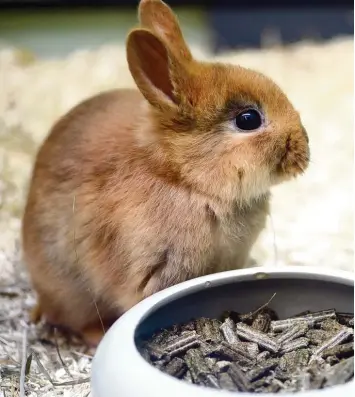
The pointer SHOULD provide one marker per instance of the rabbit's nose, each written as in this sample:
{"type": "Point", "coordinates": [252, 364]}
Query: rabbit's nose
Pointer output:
{"type": "Point", "coordinates": [305, 134]}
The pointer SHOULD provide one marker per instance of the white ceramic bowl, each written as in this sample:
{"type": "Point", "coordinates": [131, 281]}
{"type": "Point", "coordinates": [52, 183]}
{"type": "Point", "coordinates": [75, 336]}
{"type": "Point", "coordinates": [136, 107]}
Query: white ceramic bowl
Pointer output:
{"type": "Point", "coordinates": [120, 371]}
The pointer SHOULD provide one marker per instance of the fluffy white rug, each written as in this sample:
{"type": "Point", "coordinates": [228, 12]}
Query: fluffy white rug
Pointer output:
{"type": "Point", "coordinates": [312, 217]}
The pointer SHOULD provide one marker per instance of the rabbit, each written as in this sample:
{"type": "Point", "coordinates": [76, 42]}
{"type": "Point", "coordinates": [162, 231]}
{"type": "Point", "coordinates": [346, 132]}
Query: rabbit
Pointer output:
{"type": "Point", "coordinates": [135, 190]}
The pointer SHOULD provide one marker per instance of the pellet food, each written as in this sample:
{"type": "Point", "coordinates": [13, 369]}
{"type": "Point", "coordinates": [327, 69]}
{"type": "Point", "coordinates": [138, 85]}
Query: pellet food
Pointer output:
{"type": "Point", "coordinates": [258, 352]}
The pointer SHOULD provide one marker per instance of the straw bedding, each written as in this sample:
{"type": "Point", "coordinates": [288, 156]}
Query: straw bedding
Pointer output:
{"type": "Point", "coordinates": [312, 217]}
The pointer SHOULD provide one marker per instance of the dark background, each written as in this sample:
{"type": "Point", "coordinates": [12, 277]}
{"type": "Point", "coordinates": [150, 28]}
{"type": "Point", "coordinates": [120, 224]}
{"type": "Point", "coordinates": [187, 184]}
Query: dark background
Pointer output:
{"type": "Point", "coordinates": [236, 24]}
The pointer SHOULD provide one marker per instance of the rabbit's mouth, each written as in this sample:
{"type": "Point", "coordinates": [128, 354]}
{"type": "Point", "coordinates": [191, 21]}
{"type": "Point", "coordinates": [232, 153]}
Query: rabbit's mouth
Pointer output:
{"type": "Point", "coordinates": [295, 158]}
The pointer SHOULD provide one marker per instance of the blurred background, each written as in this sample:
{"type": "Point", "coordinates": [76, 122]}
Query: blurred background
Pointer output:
{"type": "Point", "coordinates": [53, 28]}
{"type": "Point", "coordinates": [54, 54]}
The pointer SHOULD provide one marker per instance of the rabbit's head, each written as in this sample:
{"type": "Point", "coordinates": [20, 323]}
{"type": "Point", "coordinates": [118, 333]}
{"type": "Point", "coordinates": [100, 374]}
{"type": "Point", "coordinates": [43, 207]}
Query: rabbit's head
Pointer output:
{"type": "Point", "coordinates": [221, 129]}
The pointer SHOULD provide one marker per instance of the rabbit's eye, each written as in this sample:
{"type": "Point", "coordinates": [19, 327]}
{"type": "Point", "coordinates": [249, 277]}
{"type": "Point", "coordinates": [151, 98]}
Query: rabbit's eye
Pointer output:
{"type": "Point", "coordinates": [248, 120]}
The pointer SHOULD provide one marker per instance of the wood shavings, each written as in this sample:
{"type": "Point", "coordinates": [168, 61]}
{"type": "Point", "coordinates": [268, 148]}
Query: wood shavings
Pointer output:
{"type": "Point", "coordinates": [313, 232]}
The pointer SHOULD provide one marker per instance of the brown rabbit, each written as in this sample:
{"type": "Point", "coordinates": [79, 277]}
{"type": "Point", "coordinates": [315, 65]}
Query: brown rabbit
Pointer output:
{"type": "Point", "coordinates": [134, 191]}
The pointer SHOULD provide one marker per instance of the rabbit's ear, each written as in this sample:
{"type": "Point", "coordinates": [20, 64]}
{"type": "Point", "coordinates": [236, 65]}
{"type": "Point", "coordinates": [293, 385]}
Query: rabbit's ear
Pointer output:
{"type": "Point", "coordinates": [160, 19]}
{"type": "Point", "coordinates": [154, 69]}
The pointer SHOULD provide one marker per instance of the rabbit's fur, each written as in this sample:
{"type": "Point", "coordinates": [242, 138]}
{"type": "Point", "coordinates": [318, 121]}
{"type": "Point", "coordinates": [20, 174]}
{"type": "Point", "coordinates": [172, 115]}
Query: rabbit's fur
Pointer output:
{"type": "Point", "coordinates": [134, 191]}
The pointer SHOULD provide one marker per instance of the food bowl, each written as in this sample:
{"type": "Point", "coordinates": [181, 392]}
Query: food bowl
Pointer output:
{"type": "Point", "coordinates": [120, 370]}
